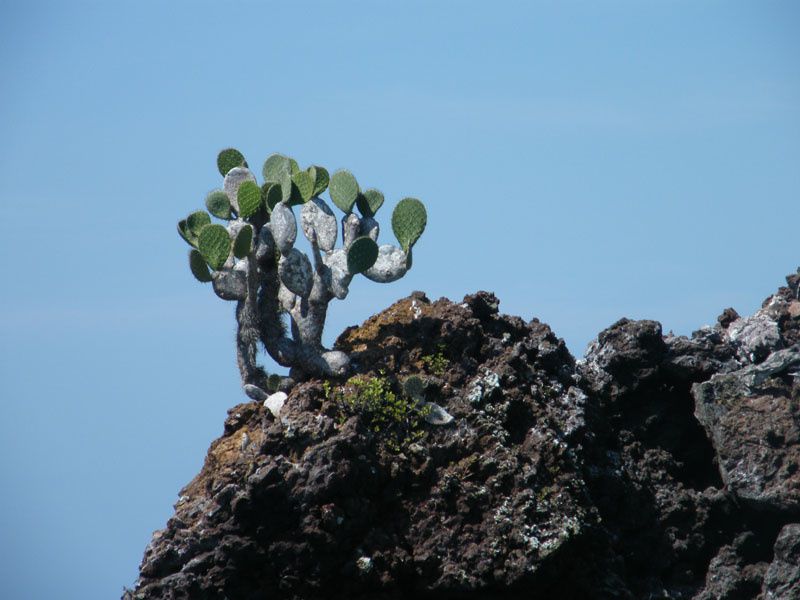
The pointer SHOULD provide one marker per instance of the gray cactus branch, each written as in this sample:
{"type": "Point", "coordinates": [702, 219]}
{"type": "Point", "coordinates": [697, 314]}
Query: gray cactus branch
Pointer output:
{"type": "Point", "coordinates": [252, 259]}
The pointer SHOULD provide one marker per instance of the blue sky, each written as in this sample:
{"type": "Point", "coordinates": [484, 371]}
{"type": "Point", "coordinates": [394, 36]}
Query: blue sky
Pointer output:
{"type": "Point", "coordinates": [583, 160]}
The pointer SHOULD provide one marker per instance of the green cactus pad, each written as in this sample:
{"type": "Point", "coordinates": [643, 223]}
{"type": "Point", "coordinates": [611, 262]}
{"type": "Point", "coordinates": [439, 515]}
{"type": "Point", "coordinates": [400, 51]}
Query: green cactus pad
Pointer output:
{"type": "Point", "coordinates": [198, 266]}
{"type": "Point", "coordinates": [293, 166]}
{"type": "Point", "coordinates": [243, 243]}
{"type": "Point", "coordinates": [218, 204]}
{"type": "Point", "coordinates": [249, 198]}
{"type": "Point", "coordinates": [361, 255]}
{"type": "Point", "coordinates": [414, 388]}
{"type": "Point", "coordinates": [278, 169]}
{"type": "Point", "coordinates": [271, 194]}
{"type": "Point", "coordinates": [183, 231]}
{"type": "Point", "coordinates": [196, 221]}
{"type": "Point", "coordinates": [229, 159]}
{"type": "Point", "coordinates": [215, 245]}
{"type": "Point", "coordinates": [369, 202]}
{"type": "Point", "coordinates": [274, 166]}
{"type": "Point", "coordinates": [302, 187]}
{"type": "Point", "coordinates": [321, 179]}
{"type": "Point", "coordinates": [408, 221]}
{"type": "Point", "coordinates": [344, 190]}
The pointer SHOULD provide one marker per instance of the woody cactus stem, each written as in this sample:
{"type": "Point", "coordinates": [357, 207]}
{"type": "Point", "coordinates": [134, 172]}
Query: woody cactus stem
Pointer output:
{"type": "Point", "coordinates": [252, 259]}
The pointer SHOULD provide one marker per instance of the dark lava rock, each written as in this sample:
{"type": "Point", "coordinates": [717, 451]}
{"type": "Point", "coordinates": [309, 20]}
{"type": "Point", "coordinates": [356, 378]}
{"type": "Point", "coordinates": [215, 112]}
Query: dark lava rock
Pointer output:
{"type": "Point", "coordinates": [657, 467]}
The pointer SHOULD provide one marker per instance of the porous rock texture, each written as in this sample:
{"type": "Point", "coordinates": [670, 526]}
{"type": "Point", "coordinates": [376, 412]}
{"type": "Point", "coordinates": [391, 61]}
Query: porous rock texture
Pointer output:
{"type": "Point", "coordinates": [659, 466]}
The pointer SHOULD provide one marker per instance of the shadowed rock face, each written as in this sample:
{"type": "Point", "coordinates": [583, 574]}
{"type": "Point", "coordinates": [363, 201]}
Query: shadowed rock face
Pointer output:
{"type": "Point", "coordinates": [658, 466]}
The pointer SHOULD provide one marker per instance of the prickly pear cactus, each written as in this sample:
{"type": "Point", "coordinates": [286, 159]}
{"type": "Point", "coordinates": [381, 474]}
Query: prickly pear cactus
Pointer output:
{"type": "Point", "coordinates": [251, 258]}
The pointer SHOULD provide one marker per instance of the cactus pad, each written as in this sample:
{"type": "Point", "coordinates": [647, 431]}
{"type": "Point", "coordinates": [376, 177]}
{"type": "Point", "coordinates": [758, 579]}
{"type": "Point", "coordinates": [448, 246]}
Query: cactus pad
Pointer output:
{"type": "Point", "coordinates": [274, 166]}
{"type": "Point", "coordinates": [408, 221]}
{"type": "Point", "coordinates": [361, 255]}
{"type": "Point", "coordinates": [278, 169]}
{"type": "Point", "coordinates": [283, 226]}
{"type": "Point", "coordinates": [198, 266]}
{"type": "Point", "coordinates": [183, 231]}
{"type": "Point", "coordinates": [321, 179]}
{"type": "Point", "coordinates": [229, 159]}
{"type": "Point", "coordinates": [196, 221]}
{"type": "Point", "coordinates": [218, 204]}
{"type": "Point", "coordinates": [296, 274]}
{"type": "Point", "coordinates": [344, 190]}
{"type": "Point", "coordinates": [232, 181]}
{"type": "Point", "coordinates": [414, 388]}
{"type": "Point", "coordinates": [243, 243]}
{"type": "Point", "coordinates": [271, 194]}
{"type": "Point", "coordinates": [391, 265]}
{"type": "Point", "coordinates": [319, 224]}
{"type": "Point", "coordinates": [215, 245]}
{"type": "Point", "coordinates": [369, 202]}
{"type": "Point", "coordinates": [248, 198]}
{"type": "Point", "coordinates": [302, 187]}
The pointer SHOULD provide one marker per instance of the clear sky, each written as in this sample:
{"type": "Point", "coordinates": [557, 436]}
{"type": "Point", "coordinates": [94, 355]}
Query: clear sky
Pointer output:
{"type": "Point", "coordinates": [583, 160]}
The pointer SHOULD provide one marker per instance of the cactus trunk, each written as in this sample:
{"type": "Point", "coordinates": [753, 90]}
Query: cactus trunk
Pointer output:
{"type": "Point", "coordinates": [253, 259]}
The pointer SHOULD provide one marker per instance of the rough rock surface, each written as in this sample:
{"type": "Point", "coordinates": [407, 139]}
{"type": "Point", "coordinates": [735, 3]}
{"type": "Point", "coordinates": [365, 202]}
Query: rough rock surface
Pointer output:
{"type": "Point", "coordinates": [656, 467]}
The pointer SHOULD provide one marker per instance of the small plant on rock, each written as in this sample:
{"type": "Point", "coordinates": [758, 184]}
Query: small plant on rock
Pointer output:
{"type": "Point", "coordinates": [250, 257]}
{"type": "Point", "coordinates": [396, 418]}
{"type": "Point", "coordinates": [436, 363]}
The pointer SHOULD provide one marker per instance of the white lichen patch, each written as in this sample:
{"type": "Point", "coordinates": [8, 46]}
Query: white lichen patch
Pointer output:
{"type": "Point", "coordinates": [364, 564]}
{"type": "Point", "coordinates": [483, 387]}
{"type": "Point", "coordinates": [416, 310]}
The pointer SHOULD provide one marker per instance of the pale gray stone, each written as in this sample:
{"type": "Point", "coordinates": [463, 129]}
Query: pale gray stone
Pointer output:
{"type": "Point", "coordinates": [754, 337]}
{"type": "Point", "coordinates": [336, 361]}
{"type": "Point", "coordinates": [437, 415]}
{"type": "Point", "coordinates": [274, 402]}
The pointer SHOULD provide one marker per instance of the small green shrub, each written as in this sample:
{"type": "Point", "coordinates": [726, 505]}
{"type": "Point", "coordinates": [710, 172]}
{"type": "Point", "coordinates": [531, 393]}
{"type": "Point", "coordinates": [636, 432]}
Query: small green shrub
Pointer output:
{"type": "Point", "coordinates": [396, 418]}
{"type": "Point", "coordinates": [436, 363]}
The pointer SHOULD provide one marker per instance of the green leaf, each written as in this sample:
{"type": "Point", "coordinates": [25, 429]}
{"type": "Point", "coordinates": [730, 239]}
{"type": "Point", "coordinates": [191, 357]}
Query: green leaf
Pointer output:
{"type": "Point", "coordinates": [361, 255]}
{"type": "Point", "coordinates": [243, 243]}
{"type": "Point", "coordinates": [218, 204]}
{"type": "Point", "coordinates": [229, 159]}
{"type": "Point", "coordinates": [408, 222]}
{"type": "Point", "coordinates": [196, 221]}
{"type": "Point", "coordinates": [249, 198]}
{"type": "Point", "coordinates": [369, 202]}
{"type": "Point", "coordinates": [198, 266]}
{"type": "Point", "coordinates": [214, 244]}
{"type": "Point", "coordinates": [344, 190]}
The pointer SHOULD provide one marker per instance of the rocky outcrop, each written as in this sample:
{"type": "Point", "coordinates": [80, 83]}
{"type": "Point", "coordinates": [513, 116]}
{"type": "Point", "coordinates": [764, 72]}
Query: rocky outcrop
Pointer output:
{"type": "Point", "coordinates": [656, 467]}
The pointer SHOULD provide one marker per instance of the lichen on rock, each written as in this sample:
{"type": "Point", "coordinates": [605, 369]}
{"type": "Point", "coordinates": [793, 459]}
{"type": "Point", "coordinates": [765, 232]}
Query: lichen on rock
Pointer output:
{"type": "Point", "coordinates": [658, 466]}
